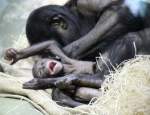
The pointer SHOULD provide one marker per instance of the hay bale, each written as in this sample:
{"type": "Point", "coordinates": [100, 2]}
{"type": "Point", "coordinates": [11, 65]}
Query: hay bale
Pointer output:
{"type": "Point", "coordinates": [125, 92]}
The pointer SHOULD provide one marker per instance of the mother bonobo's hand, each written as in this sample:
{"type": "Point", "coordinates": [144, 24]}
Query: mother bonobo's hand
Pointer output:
{"type": "Point", "coordinates": [12, 55]}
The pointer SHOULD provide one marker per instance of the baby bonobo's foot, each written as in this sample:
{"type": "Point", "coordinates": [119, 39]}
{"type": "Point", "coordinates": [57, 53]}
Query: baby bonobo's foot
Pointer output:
{"type": "Point", "coordinates": [11, 54]}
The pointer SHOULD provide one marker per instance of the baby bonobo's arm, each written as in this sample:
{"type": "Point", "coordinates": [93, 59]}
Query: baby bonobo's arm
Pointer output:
{"type": "Point", "coordinates": [14, 55]}
{"type": "Point", "coordinates": [52, 47]}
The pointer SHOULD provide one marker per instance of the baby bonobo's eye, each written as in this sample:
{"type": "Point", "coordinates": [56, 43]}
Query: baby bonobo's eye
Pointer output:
{"type": "Point", "coordinates": [58, 20]}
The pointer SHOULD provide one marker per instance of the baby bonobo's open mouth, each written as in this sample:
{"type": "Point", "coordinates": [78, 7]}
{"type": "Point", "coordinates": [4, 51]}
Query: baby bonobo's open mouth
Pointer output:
{"type": "Point", "coordinates": [54, 67]}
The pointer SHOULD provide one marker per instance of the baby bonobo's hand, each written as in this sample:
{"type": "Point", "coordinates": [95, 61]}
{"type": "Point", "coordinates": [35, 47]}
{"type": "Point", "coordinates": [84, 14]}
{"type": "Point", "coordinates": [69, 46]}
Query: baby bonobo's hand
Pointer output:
{"type": "Point", "coordinates": [66, 82]}
{"type": "Point", "coordinates": [38, 83]}
{"type": "Point", "coordinates": [12, 55]}
{"type": "Point", "coordinates": [32, 84]}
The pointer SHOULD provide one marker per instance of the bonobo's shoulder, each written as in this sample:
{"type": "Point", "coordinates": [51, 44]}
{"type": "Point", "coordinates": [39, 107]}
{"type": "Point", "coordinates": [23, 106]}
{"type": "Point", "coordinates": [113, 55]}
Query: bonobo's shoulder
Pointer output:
{"type": "Point", "coordinates": [52, 8]}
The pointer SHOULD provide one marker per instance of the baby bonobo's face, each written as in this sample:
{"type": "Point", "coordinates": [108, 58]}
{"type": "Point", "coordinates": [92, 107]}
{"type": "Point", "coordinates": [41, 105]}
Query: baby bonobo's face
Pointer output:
{"type": "Point", "coordinates": [47, 68]}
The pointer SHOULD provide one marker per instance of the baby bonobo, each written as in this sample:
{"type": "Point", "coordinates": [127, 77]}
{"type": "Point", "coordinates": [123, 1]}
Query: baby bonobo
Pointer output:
{"type": "Point", "coordinates": [52, 68]}
{"type": "Point", "coordinates": [70, 66]}
{"type": "Point", "coordinates": [47, 74]}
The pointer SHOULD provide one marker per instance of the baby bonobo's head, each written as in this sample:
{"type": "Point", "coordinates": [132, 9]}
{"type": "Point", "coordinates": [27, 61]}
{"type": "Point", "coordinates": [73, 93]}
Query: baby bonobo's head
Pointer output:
{"type": "Point", "coordinates": [47, 68]}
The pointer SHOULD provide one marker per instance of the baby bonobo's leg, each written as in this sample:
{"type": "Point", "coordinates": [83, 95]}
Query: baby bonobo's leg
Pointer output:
{"type": "Point", "coordinates": [81, 96]}
{"type": "Point", "coordinates": [63, 99]}
{"type": "Point", "coordinates": [85, 94]}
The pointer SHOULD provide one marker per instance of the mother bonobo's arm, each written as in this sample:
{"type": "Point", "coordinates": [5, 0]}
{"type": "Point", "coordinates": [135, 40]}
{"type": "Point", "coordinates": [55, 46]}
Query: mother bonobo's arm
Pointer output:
{"type": "Point", "coordinates": [121, 22]}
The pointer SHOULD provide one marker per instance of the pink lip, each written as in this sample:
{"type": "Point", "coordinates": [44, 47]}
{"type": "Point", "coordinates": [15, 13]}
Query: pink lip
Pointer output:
{"type": "Point", "coordinates": [52, 65]}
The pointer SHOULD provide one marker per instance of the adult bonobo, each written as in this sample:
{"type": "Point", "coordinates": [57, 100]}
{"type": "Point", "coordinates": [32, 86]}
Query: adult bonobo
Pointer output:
{"type": "Point", "coordinates": [49, 72]}
{"type": "Point", "coordinates": [58, 26]}
{"type": "Point", "coordinates": [51, 68]}
{"type": "Point", "coordinates": [115, 20]}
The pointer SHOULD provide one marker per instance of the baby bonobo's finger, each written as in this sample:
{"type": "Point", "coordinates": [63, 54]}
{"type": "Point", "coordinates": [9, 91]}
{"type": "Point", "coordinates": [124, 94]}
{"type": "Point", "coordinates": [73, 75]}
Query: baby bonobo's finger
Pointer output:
{"type": "Point", "coordinates": [13, 61]}
{"type": "Point", "coordinates": [63, 99]}
{"type": "Point", "coordinates": [11, 55]}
